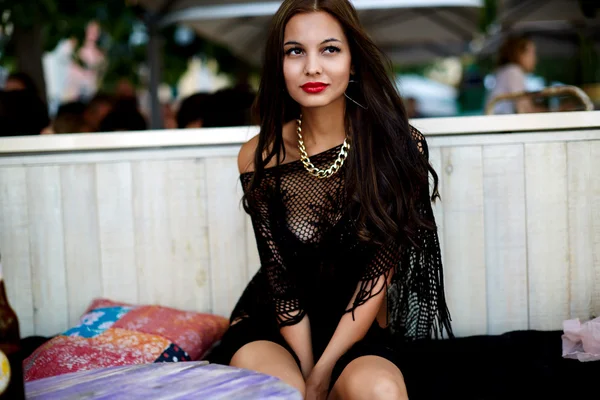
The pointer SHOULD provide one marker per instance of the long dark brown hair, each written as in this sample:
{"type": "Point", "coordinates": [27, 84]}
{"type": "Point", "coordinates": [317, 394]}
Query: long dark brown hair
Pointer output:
{"type": "Point", "coordinates": [386, 175]}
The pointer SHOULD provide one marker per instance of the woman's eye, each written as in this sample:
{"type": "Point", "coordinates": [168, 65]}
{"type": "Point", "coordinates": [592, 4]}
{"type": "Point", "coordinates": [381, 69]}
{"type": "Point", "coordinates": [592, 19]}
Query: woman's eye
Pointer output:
{"type": "Point", "coordinates": [331, 49]}
{"type": "Point", "coordinates": [295, 51]}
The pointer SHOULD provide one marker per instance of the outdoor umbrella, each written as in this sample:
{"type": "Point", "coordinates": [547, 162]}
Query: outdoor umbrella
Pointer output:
{"type": "Point", "coordinates": [556, 26]}
{"type": "Point", "coordinates": [409, 31]}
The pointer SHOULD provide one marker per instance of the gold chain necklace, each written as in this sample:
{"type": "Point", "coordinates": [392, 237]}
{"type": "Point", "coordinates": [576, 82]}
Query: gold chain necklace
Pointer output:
{"type": "Point", "coordinates": [309, 166]}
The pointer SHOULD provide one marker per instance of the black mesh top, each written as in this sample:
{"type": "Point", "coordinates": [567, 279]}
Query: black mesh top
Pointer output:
{"type": "Point", "coordinates": [312, 261]}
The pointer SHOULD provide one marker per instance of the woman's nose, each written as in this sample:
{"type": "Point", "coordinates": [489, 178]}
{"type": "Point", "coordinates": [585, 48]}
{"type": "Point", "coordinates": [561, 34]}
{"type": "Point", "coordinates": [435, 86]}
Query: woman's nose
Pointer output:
{"type": "Point", "coordinates": [313, 66]}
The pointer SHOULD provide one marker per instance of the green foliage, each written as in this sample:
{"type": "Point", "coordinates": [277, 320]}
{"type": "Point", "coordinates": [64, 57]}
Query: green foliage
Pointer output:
{"type": "Point", "coordinates": [590, 61]}
{"type": "Point", "coordinates": [417, 69]}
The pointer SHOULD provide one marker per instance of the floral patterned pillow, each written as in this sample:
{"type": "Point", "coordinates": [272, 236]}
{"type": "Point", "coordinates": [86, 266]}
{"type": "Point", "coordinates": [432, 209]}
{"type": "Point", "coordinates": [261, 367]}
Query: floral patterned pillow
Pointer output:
{"type": "Point", "coordinates": [111, 334]}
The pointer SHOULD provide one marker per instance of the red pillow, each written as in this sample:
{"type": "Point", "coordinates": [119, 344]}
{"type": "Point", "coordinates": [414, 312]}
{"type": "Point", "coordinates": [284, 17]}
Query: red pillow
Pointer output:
{"type": "Point", "coordinates": [112, 334]}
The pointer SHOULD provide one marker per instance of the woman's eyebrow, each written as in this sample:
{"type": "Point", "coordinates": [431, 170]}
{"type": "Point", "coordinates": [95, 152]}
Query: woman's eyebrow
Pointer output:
{"type": "Point", "coordinates": [293, 42]}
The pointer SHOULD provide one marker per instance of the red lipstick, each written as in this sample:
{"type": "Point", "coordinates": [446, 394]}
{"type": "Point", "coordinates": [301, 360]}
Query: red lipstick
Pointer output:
{"type": "Point", "coordinates": [314, 87]}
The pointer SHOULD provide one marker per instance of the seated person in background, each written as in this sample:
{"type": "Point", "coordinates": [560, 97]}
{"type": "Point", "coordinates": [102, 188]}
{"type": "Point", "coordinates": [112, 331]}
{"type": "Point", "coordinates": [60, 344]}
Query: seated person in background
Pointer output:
{"type": "Point", "coordinates": [124, 116]}
{"type": "Point", "coordinates": [20, 81]}
{"type": "Point", "coordinates": [168, 116]}
{"type": "Point", "coordinates": [412, 108]}
{"type": "Point", "coordinates": [97, 109]}
{"type": "Point", "coordinates": [22, 113]}
{"type": "Point", "coordinates": [69, 118]}
{"type": "Point", "coordinates": [516, 58]}
{"type": "Point", "coordinates": [192, 111]}
{"type": "Point", "coordinates": [229, 107]}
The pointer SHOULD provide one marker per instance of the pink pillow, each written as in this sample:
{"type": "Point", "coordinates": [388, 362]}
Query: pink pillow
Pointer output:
{"type": "Point", "coordinates": [112, 334]}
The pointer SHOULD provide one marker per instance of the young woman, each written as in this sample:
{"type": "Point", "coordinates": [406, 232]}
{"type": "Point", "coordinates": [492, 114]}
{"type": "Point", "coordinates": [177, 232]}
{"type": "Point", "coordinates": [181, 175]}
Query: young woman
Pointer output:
{"type": "Point", "coordinates": [337, 187]}
{"type": "Point", "coordinates": [516, 58]}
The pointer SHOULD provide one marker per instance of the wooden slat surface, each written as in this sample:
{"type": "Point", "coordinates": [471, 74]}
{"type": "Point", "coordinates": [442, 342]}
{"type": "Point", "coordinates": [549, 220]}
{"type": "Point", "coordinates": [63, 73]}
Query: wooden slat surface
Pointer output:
{"type": "Point", "coordinates": [227, 234]}
{"type": "Point", "coordinates": [117, 236]}
{"type": "Point", "coordinates": [14, 245]}
{"type": "Point", "coordinates": [519, 226]}
{"type": "Point", "coordinates": [465, 270]}
{"type": "Point", "coordinates": [505, 238]}
{"type": "Point", "coordinates": [581, 225]}
{"type": "Point", "coordinates": [81, 236]}
{"type": "Point", "coordinates": [547, 235]}
{"type": "Point", "coordinates": [189, 258]}
{"type": "Point", "coordinates": [594, 204]}
{"type": "Point", "coordinates": [47, 250]}
{"type": "Point", "coordinates": [151, 223]}
{"type": "Point", "coordinates": [435, 159]}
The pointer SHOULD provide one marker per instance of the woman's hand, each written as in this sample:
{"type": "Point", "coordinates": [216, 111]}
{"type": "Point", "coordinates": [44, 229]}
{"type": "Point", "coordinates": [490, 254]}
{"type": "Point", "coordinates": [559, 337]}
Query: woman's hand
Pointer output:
{"type": "Point", "coordinates": [317, 384]}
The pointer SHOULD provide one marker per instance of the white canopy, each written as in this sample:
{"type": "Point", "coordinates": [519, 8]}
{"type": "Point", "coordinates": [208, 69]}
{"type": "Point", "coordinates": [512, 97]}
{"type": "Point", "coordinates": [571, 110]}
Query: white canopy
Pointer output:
{"type": "Point", "coordinates": [409, 31]}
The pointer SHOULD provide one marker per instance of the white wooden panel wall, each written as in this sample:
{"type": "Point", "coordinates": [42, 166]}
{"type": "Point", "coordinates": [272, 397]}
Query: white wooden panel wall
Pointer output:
{"type": "Point", "coordinates": [47, 250]}
{"type": "Point", "coordinates": [519, 226]}
{"type": "Point", "coordinates": [547, 234]}
{"type": "Point", "coordinates": [464, 247]}
{"type": "Point", "coordinates": [14, 245]}
{"type": "Point", "coordinates": [583, 162]}
{"type": "Point", "coordinates": [114, 188]}
{"type": "Point", "coordinates": [505, 237]}
{"type": "Point", "coordinates": [227, 234]}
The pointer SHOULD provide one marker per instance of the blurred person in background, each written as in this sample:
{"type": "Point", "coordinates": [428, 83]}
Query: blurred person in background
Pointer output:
{"type": "Point", "coordinates": [516, 58]}
{"type": "Point", "coordinates": [69, 118]}
{"type": "Point", "coordinates": [229, 107]}
{"type": "Point", "coordinates": [124, 116]}
{"type": "Point", "coordinates": [96, 110]}
{"type": "Point", "coordinates": [125, 88]}
{"type": "Point", "coordinates": [192, 111]}
{"type": "Point", "coordinates": [168, 116]}
{"type": "Point", "coordinates": [20, 81]}
{"type": "Point", "coordinates": [412, 108]}
{"type": "Point", "coordinates": [22, 113]}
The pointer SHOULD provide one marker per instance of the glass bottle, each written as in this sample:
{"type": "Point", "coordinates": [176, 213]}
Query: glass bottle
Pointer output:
{"type": "Point", "coordinates": [11, 369]}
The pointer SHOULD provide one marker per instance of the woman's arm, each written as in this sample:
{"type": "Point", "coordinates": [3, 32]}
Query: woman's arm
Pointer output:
{"type": "Point", "coordinates": [354, 325]}
{"type": "Point", "coordinates": [293, 321]}
{"type": "Point", "coordinates": [299, 338]}
{"type": "Point", "coordinates": [526, 105]}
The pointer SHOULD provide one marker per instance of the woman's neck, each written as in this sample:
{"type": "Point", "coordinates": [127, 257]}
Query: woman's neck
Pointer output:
{"type": "Point", "coordinates": [323, 127]}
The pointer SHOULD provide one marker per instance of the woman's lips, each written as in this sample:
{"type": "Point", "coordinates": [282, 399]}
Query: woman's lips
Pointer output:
{"type": "Point", "coordinates": [314, 87]}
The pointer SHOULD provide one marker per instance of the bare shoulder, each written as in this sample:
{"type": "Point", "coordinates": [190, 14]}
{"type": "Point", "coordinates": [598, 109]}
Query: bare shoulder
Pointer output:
{"type": "Point", "coordinates": [248, 150]}
{"type": "Point", "coordinates": [246, 155]}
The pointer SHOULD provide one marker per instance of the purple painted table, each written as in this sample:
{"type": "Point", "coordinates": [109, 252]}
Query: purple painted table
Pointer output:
{"type": "Point", "coordinates": [183, 380]}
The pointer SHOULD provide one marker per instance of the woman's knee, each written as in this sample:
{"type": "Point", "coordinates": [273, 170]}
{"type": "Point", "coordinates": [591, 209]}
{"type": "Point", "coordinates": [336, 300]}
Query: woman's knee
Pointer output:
{"type": "Point", "coordinates": [370, 378]}
{"type": "Point", "coordinates": [271, 359]}
{"type": "Point", "coordinates": [387, 387]}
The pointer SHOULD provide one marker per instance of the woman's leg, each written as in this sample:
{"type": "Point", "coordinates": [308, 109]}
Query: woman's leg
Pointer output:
{"type": "Point", "coordinates": [271, 359]}
{"type": "Point", "coordinates": [370, 378]}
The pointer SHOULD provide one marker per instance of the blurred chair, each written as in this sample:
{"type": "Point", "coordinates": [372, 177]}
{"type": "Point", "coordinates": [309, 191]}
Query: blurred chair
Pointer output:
{"type": "Point", "coordinates": [572, 91]}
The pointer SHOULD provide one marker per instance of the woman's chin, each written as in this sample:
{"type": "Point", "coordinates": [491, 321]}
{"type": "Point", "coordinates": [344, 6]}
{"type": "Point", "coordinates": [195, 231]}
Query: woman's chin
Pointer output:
{"type": "Point", "coordinates": [316, 101]}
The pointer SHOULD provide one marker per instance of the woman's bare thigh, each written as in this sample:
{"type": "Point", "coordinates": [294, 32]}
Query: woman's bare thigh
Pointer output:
{"type": "Point", "coordinates": [271, 359]}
